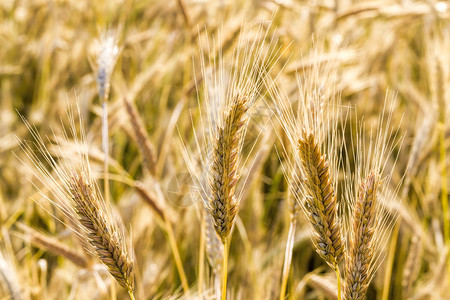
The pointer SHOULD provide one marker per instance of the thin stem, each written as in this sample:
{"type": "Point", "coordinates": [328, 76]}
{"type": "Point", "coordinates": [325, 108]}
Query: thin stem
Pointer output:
{"type": "Point", "coordinates": [390, 261]}
{"type": "Point", "coordinates": [176, 254]}
{"type": "Point", "coordinates": [287, 257]}
{"type": "Point", "coordinates": [131, 295]}
{"type": "Point", "coordinates": [444, 192]}
{"type": "Point", "coordinates": [217, 285]}
{"type": "Point", "coordinates": [113, 292]}
{"type": "Point", "coordinates": [224, 270]}
{"type": "Point", "coordinates": [201, 257]}
{"type": "Point", "coordinates": [105, 146]}
{"type": "Point", "coordinates": [338, 276]}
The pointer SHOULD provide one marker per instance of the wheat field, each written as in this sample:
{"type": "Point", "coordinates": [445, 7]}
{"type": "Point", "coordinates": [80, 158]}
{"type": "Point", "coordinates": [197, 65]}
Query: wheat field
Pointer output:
{"type": "Point", "coordinates": [190, 149]}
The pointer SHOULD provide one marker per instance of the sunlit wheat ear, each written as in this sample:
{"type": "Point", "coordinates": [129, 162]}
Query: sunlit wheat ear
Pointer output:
{"type": "Point", "coordinates": [101, 233]}
{"type": "Point", "coordinates": [75, 194]}
{"type": "Point", "coordinates": [320, 201]}
{"type": "Point", "coordinates": [367, 189]}
{"type": "Point", "coordinates": [232, 83]}
{"type": "Point", "coordinates": [223, 203]}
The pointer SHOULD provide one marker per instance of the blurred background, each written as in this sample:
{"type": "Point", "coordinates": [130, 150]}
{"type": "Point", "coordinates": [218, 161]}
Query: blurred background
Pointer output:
{"type": "Point", "coordinates": [48, 61]}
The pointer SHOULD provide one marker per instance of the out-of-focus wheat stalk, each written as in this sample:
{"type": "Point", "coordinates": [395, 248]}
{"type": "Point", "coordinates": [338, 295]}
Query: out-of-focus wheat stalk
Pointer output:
{"type": "Point", "coordinates": [294, 208]}
{"type": "Point", "coordinates": [106, 59]}
{"type": "Point", "coordinates": [147, 151]}
{"type": "Point", "coordinates": [76, 195]}
{"type": "Point", "coordinates": [53, 245]}
{"type": "Point", "coordinates": [10, 279]}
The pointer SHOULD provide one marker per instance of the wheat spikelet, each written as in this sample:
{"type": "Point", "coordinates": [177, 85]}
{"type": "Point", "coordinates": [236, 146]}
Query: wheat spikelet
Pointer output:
{"type": "Point", "coordinates": [361, 248]}
{"type": "Point", "coordinates": [320, 202]}
{"type": "Point", "coordinates": [223, 204]}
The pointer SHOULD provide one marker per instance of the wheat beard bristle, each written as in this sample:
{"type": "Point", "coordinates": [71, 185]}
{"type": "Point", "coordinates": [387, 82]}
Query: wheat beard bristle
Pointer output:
{"type": "Point", "coordinates": [361, 244]}
{"type": "Point", "coordinates": [320, 202]}
{"type": "Point", "coordinates": [223, 204]}
{"type": "Point", "coordinates": [102, 237]}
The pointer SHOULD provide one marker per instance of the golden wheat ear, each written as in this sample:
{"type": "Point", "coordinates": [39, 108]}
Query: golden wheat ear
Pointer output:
{"type": "Point", "coordinates": [361, 248]}
{"type": "Point", "coordinates": [223, 204]}
{"type": "Point", "coordinates": [76, 195]}
{"type": "Point", "coordinates": [367, 191]}
{"type": "Point", "coordinates": [101, 234]}
{"type": "Point", "coordinates": [320, 201]}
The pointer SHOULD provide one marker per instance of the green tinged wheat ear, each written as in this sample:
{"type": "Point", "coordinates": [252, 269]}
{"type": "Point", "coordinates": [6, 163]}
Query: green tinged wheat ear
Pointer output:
{"type": "Point", "coordinates": [223, 203]}
{"type": "Point", "coordinates": [102, 237]}
{"type": "Point", "coordinates": [320, 201]}
{"type": "Point", "coordinates": [361, 248]}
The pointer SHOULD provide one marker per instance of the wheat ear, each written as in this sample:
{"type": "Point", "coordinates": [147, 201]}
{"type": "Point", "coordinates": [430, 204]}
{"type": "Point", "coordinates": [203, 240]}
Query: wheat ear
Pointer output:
{"type": "Point", "coordinates": [361, 248]}
{"type": "Point", "coordinates": [320, 203]}
{"type": "Point", "coordinates": [77, 197]}
{"type": "Point", "coordinates": [102, 236]}
{"type": "Point", "coordinates": [223, 203]}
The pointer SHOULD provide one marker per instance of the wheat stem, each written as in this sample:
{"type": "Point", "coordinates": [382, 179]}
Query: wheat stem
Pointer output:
{"type": "Point", "coordinates": [444, 192]}
{"type": "Point", "coordinates": [224, 270]}
{"type": "Point", "coordinates": [176, 254]}
{"type": "Point", "coordinates": [105, 143]}
{"type": "Point", "coordinates": [201, 256]}
{"type": "Point", "coordinates": [390, 262]}
{"type": "Point", "coordinates": [288, 257]}
{"type": "Point", "coordinates": [339, 284]}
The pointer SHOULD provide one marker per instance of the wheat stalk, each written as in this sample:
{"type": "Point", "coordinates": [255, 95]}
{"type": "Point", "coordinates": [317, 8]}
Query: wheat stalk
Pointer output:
{"type": "Point", "coordinates": [412, 267]}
